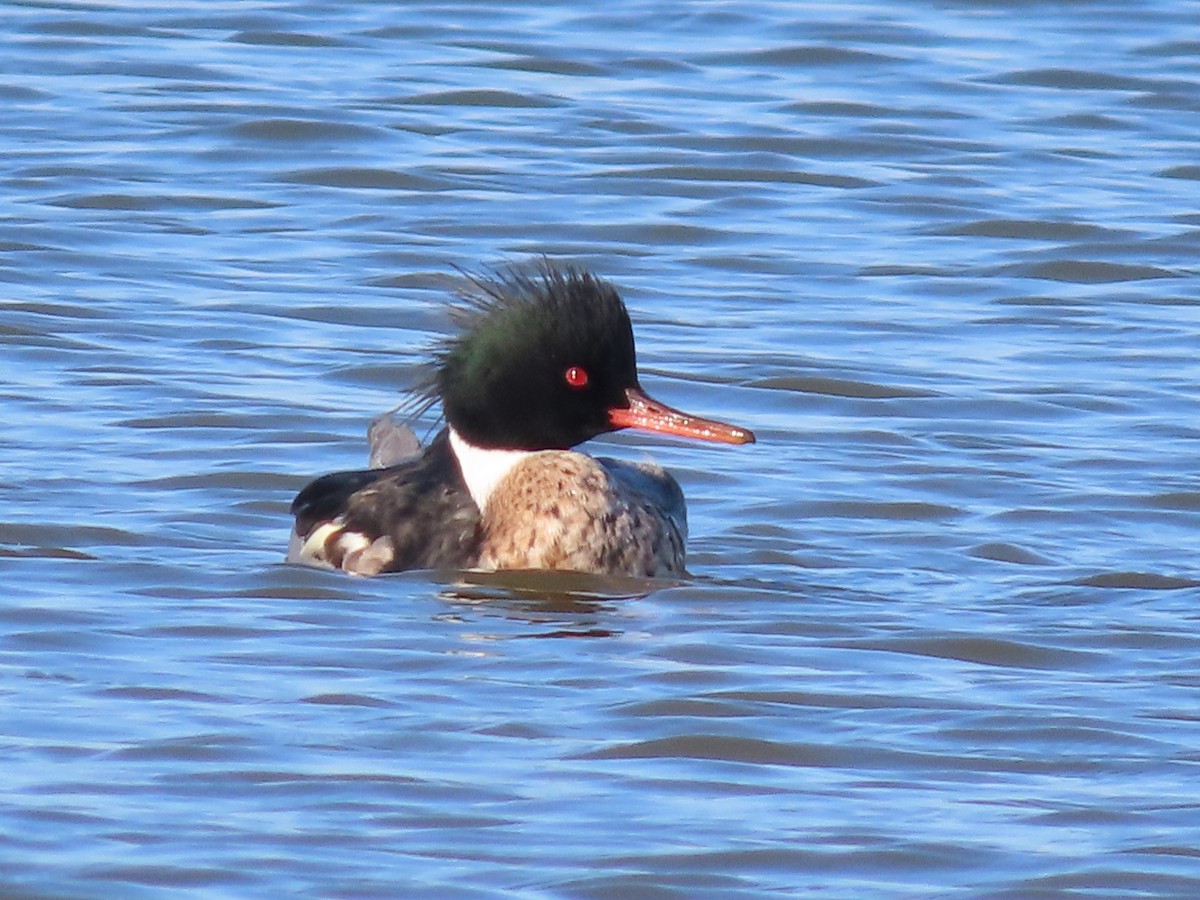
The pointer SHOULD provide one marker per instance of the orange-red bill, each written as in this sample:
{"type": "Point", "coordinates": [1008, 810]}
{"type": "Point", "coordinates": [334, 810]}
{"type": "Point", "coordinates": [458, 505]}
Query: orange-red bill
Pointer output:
{"type": "Point", "coordinates": [648, 414]}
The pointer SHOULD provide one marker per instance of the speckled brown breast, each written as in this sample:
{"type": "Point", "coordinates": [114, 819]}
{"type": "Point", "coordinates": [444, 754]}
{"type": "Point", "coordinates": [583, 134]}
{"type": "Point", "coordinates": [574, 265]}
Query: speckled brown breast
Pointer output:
{"type": "Point", "coordinates": [562, 510]}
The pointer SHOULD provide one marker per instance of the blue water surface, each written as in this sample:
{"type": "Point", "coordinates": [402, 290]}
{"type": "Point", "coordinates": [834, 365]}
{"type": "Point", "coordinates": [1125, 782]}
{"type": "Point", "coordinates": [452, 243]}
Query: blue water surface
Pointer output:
{"type": "Point", "coordinates": [942, 635]}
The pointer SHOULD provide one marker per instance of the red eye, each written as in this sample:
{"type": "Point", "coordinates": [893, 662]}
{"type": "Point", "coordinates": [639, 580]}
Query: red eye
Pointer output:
{"type": "Point", "coordinates": [576, 377]}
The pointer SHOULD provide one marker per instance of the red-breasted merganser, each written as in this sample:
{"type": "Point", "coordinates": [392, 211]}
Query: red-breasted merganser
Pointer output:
{"type": "Point", "coordinates": [544, 361]}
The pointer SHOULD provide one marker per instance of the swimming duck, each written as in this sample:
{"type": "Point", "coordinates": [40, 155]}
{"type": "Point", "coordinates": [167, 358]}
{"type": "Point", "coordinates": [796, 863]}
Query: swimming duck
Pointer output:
{"type": "Point", "coordinates": [544, 360]}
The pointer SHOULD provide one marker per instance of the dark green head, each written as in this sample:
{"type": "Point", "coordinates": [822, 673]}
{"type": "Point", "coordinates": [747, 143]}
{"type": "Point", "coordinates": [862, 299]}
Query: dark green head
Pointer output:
{"type": "Point", "coordinates": [542, 359]}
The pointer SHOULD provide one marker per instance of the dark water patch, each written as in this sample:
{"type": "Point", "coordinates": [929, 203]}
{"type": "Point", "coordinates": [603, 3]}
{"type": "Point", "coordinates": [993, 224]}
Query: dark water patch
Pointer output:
{"type": "Point", "coordinates": [684, 707]}
{"type": "Point", "coordinates": [1058, 736]}
{"type": "Point", "coordinates": [197, 420]}
{"type": "Point", "coordinates": [1080, 271]}
{"type": "Point", "coordinates": [55, 641]}
{"type": "Point", "coordinates": [1188, 49]}
{"type": "Point", "coordinates": [285, 39]}
{"type": "Point", "coordinates": [797, 56]}
{"type": "Point", "coordinates": [73, 534]}
{"type": "Point", "coordinates": [1184, 501]}
{"type": "Point", "coordinates": [1143, 581]}
{"type": "Point", "coordinates": [687, 235]}
{"type": "Point", "coordinates": [1099, 879]}
{"type": "Point", "coordinates": [651, 886]}
{"type": "Point", "coordinates": [125, 202]}
{"type": "Point", "coordinates": [1009, 553]}
{"type": "Point", "coordinates": [213, 632]}
{"type": "Point", "coordinates": [780, 701]}
{"type": "Point", "coordinates": [575, 633]}
{"type": "Point", "coordinates": [860, 757]}
{"type": "Point", "coordinates": [897, 861]}
{"type": "Point", "coordinates": [18, 335]}
{"type": "Point", "coordinates": [554, 587]}
{"type": "Point", "coordinates": [1077, 80]}
{"type": "Point", "coordinates": [155, 71]}
{"type": "Point", "coordinates": [1083, 816]}
{"type": "Point", "coordinates": [413, 31]}
{"type": "Point", "coordinates": [915, 511]}
{"type": "Point", "coordinates": [389, 316]}
{"type": "Point", "coordinates": [218, 481]}
{"type": "Point", "coordinates": [155, 694]}
{"type": "Point", "coordinates": [545, 65]}
{"type": "Point", "coordinates": [154, 202]}
{"type": "Point", "coordinates": [19, 93]}
{"type": "Point", "coordinates": [985, 651]}
{"type": "Point", "coordinates": [177, 877]}
{"type": "Point", "coordinates": [894, 271]}
{"type": "Point", "coordinates": [1189, 172]}
{"type": "Point", "coordinates": [211, 747]}
{"type": "Point", "coordinates": [723, 748]}
{"type": "Point", "coordinates": [1148, 639]}
{"type": "Point", "coordinates": [302, 131]}
{"type": "Point", "coordinates": [393, 377]}
{"type": "Point", "coordinates": [45, 553]}
{"type": "Point", "coordinates": [659, 64]}
{"type": "Point", "coordinates": [1183, 852]}
{"type": "Point", "coordinates": [837, 387]}
{"type": "Point", "coordinates": [1034, 230]}
{"type": "Point", "coordinates": [21, 247]}
{"type": "Point", "coordinates": [859, 110]}
{"type": "Point", "coordinates": [754, 149]}
{"type": "Point", "coordinates": [494, 99]}
{"type": "Point", "coordinates": [59, 310]}
{"type": "Point", "coordinates": [89, 27]}
{"type": "Point", "coordinates": [369, 179]}
{"type": "Point", "coordinates": [1088, 122]}
{"type": "Point", "coordinates": [48, 617]}
{"type": "Point", "coordinates": [709, 175]}
{"type": "Point", "coordinates": [1175, 101]}
{"type": "Point", "coordinates": [347, 700]}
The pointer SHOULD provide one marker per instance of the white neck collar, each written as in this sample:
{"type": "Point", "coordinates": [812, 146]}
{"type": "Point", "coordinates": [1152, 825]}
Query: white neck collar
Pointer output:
{"type": "Point", "coordinates": [483, 469]}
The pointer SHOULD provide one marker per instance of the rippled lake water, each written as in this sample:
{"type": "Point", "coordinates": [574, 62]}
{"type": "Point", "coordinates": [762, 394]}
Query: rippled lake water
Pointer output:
{"type": "Point", "coordinates": [943, 635]}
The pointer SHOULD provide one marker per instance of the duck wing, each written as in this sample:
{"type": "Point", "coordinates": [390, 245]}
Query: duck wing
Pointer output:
{"type": "Point", "coordinates": [390, 441]}
{"type": "Point", "coordinates": [417, 514]}
{"type": "Point", "coordinates": [655, 484]}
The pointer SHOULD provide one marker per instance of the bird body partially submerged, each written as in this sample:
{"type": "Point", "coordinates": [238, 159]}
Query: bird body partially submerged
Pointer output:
{"type": "Point", "coordinates": [544, 362]}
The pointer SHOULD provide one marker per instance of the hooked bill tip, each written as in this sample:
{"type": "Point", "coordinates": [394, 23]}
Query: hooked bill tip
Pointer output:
{"type": "Point", "coordinates": [647, 414]}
